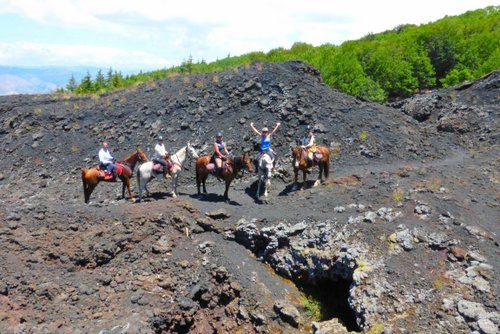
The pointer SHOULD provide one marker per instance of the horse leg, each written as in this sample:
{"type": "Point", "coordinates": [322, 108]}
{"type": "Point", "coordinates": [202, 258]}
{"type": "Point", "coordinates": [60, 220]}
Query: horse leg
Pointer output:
{"type": "Point", "coordinates": [226, 196]}
{"type": "Point", "coordinates": [127, 182]}
{"type": "Point", "coordinates": [259, 180]}
{"type": "Point", "coordinates": [204, 181]}
{"type": "Point", "coordinates": [327, 170]}
{"type": "Point", "coordinates": [304, 177]}
{"type": "Point", "coordinates": [174, 185]}
{"type": "Point", "coordinates": [296, 177]}
{"type": "Point", "coordinates": [123, 188]}
{"type": "Point", "coordinates": [320, 175]}
{"type": "Point", "coordinates": [198, 182]}
{"type": "Point", "coordinates": [86, 194]}
{"type": "Point", "coordinates": [90, 189]}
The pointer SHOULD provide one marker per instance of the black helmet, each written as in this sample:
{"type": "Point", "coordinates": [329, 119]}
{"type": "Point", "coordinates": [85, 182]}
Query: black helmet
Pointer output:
{"type": "Point", "coordinates": [160, 138]}
{"type": "Point", "coordinates": [308, 127]}
{"type": "Point", "coordinates": [219, 134]}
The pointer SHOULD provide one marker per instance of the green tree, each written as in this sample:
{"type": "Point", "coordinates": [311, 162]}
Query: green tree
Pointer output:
{"type": "Point", "coordinates": [71, 85]}
{"type": "Point", "coordinates": [117, 80]}
{"type": "Point", "coordinates": [86, 85]}
{"type": "Point", "coordinates": [109, 78]}
{"type": "Point", "coordinates": [100, 81]}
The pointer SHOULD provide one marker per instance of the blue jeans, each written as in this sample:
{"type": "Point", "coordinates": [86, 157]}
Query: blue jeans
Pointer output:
{"type": "Point", "coordinates": [269, 152]}
{"type": "Point", "coordinates": [110, 167]}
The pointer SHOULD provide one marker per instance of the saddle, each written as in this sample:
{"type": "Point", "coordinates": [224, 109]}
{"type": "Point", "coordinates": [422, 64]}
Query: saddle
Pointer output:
{"type": "Point", "coordinates": [211, 166]}
{"type": "Point", "coordinates": [158, 168]}
{"type": "Point", "coordinates": [317, 156]}
{"type": "Point", "coordinates": [110, 176]}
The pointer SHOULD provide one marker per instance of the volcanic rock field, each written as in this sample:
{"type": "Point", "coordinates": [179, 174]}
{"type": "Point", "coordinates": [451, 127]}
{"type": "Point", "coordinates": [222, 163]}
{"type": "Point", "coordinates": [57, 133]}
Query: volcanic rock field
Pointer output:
{"type": "Point", "coordinates": [402, 238]}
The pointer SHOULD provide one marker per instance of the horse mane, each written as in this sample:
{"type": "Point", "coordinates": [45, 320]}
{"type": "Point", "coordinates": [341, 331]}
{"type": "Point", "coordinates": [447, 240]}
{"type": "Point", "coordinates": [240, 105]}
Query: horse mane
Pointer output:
{"type": "Point", "coordinates": [238, 161]}
{"type": "Point", "coordinates": [127, 159]}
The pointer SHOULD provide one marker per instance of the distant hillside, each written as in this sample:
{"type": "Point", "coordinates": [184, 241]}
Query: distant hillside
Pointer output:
{"type": "Point", "coordinates": [27, 80]}
{"type": "Point", "coordinates": [388, 65]}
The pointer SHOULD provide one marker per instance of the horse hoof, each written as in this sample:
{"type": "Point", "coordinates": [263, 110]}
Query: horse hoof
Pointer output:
{"type": "Point", "coordinates": [132, 199]}
{"type": "Point", "coordinates": [316, 183]}
{"type": "Point", "coordinates": [137, 200]}
{"type": "Point", "coordinates": [174, 195]}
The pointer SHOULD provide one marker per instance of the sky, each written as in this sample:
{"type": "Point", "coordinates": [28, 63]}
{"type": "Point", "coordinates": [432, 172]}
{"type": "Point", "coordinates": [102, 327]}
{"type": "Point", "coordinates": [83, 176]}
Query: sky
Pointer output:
{"type": "Point", "coordinates": [152, 34]}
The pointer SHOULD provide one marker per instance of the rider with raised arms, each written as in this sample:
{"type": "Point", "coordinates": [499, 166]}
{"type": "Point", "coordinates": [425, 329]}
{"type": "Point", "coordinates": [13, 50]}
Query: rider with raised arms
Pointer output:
{"type": "Point", "coordinates": [265, 140]}
{"type": "Point", "coordinates": [106, 161]}
{"type": "Point", "coordinates": [220, 153]}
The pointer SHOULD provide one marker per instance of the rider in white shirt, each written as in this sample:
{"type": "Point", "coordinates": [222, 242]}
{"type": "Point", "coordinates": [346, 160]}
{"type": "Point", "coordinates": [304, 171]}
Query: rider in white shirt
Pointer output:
{"type": "Point", "coordinates": [106, 160]}
{"type": "Point", "coordinates": [161, 155]}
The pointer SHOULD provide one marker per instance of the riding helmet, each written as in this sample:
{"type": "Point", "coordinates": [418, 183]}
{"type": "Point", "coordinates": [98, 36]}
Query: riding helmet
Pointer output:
{"type": "Point", "coordinates": [160, 138]}
{"type": "Point", "coordinates": [265, 129]}
{"type": "Point", "coordinates": [219, 134]}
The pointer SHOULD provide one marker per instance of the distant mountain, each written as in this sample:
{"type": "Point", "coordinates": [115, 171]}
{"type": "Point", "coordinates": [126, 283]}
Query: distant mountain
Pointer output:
{"type": "Point", "coordinates": [31, 80]}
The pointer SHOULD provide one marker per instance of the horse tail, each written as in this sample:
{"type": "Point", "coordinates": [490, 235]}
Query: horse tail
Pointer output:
{"type": "Point", "coordinates": [326, 170]}
{"type": "Point", "coordinates": [84, 171]}
{"type": "Point", "coordinates": [138, 174]}
{"type": "Point", "coordinates": [85, 185]}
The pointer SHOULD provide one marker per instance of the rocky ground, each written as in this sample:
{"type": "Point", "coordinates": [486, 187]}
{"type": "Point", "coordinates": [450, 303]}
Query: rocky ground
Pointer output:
{"type": "Point", "coordinates": [401, 239]}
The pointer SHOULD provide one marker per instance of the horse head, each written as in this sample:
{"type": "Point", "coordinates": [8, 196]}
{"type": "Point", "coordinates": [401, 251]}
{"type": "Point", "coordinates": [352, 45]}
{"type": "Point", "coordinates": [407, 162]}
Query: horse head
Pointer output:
{"type": "Point", "coordinates": [265, 164]}
{"type": "Point", "coordinates": [192, 151]}
{"type": "Point", "coordinates": [140, 155]}
{"type": "Point", "coordinates": [297, 153]}
{"type": "Point", "coordinates": [247, 160]}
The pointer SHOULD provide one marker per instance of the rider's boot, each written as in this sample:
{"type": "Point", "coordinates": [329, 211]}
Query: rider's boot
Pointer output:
{"type": "Point", "coordinates": [165, 172]}
{"type": "Point", "coordinates": [218, 172]}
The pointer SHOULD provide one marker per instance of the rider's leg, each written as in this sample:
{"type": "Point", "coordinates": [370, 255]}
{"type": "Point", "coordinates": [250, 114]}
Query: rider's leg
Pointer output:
{"type": "Point", "coordinates": [110, 167]}
{"type": "Point", "coordinates": [165, 167]}
{"type": "Point", "coordinates": [218, 166]}
{"type": "Point", "coordinates": [273, 158]}
{"type": "Point", "coordinates": [310, 160]}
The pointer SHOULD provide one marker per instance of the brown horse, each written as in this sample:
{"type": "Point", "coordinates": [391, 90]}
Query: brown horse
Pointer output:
{"type": "Point", "coordinates": [234, 165]}
{"type": "Point", "coordinates": [300, 163]}
{"type": "Point", "coordinates": [92, 176]}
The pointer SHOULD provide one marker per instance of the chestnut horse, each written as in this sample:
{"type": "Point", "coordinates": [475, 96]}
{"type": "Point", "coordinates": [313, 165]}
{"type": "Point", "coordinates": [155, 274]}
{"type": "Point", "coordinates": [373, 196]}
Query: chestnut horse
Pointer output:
{"type": "Point", "coordinates": [92, 176]}
{"type": "Point", "coordinates": [300, 163]}
{"type": "Point", "coordinates": [234, 165]}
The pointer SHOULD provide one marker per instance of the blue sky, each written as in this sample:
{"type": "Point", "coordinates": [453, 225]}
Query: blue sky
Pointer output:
{"type": "Point", "coordinates": [151, 34]}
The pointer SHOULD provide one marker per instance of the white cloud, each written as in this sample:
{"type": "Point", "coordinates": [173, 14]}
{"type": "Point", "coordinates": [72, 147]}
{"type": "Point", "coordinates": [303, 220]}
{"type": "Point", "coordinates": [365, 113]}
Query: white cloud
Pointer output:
{"type": "Point", "coordinates": [212, 29]}
{"type": "Point", "coordinates": [25, 53]}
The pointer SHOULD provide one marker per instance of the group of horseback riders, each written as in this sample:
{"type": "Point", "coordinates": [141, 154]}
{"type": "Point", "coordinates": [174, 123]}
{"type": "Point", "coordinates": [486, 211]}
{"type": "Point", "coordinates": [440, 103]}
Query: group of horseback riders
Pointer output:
{"type": "Point", "coordinates": [220, 151]}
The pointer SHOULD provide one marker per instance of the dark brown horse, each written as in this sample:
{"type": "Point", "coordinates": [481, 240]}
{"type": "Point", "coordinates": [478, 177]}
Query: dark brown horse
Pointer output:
{"type": "Point", "coordinates": [92, 176]}
{"type": "Point", "coordinates": [234, 165]}
{"type": "Point", "coordinates": [300, 163]}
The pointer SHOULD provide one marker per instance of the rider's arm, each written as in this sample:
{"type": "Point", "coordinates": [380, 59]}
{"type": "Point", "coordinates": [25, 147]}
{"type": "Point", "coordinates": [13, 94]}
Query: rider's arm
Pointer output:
{"type": "Point", "coordinates": [255, 129]}
{"type": "Point", "coordinates": [160, 149]}
{"type": "Point", "coordinates": [311, 141]}
{"type": "Point", "coordinates": [105, 157]}
{"type": "Point", "coordinates": [216, 149]}
{"type": "Point", "coordinates": [275, 128]}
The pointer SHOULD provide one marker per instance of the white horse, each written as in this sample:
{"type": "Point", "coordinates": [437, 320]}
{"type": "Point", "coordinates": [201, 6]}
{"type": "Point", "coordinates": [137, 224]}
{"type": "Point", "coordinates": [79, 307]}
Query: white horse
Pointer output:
{"type": "Point", "coordinates": [265, 167]}
{"type": "Point", "coordinates": [145, 172]}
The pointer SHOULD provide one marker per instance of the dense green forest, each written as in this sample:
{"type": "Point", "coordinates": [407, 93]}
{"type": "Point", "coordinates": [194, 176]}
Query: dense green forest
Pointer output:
{"type": "Point", "coordinates": [377, 67]}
